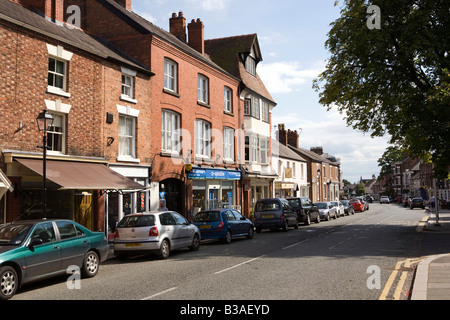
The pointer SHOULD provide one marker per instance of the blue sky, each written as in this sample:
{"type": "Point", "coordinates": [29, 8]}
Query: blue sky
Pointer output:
{"type": "Point", "coordinates": [292, 35]}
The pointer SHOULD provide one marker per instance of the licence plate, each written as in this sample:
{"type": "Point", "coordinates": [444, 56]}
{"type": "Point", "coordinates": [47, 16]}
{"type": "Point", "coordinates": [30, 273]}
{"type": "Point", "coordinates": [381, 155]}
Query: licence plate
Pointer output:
{"type": "Point", "coordinates": [268, 216]}
{"type": "Point", "coordinates": [132, 245]}
{"type": "Point", "coordinates": [205, 226]}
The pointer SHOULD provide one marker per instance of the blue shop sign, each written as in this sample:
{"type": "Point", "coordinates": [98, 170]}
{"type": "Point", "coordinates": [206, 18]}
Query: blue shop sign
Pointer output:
{"type": "Point", "coordinates": [213, 174]}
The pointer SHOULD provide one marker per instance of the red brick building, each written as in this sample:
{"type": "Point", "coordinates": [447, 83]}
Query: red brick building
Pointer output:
{"type": "Point", "coordinates": [196, 114]}
{"type": "Point", "coordinates": [99, 99]}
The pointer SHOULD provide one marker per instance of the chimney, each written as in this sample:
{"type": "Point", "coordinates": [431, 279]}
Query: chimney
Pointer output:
{"type": "Point", "coordinates": [52, 9]}
{"type": "Point", "coordinates": [125, 3]}
{"type": "Point", "coordinates": [197, 35]}
{"type": "Point", "coordinates": [282, 134]}
{"type": "Point", "coordinates": [318, 150]}
{"type": "Point", "coordinates": [178, 26]}
{"type": "Point", "coordinates": [293, 138]}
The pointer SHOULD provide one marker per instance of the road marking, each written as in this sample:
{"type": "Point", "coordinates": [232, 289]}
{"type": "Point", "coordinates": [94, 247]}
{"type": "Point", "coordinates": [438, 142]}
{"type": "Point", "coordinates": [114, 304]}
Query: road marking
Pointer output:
{"type": "Point", "coordinates": [295, 244]}
{"type": "Point", "coordinates": [160, 293]}
{"type": "Point", "coordinates": [390, 281]}
{"type": "Point", "coordinates": [238, 265]}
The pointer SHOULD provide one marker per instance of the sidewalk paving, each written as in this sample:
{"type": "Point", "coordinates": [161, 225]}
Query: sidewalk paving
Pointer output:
{"type": "Point", "coordinates": [432, 281]}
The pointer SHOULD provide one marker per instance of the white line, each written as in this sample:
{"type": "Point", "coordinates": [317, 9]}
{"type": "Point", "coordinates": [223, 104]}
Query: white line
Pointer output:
{"type": "Point", "coordinates": [238, 265]}
{"type": "Point", "coordinates": [160, 293]}
{"type": "Point", "coordinates": [295, 244]}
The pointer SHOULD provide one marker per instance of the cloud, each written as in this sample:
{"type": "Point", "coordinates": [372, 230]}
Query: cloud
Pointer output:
{"type": "Point", "coordinates": [288, 76]}
{"type": "Point", "coordinates": [210, 5]}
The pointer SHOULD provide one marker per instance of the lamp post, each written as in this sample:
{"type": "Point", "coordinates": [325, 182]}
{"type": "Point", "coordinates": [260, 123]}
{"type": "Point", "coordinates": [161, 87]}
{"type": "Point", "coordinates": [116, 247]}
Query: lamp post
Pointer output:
{"type": "Point", "coordinates": [319, 182]}
{"type": "Point", "coordinates": [44, 123]}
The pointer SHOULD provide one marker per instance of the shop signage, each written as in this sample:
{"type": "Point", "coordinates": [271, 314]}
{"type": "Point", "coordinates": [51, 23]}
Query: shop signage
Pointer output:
{"type": "Point", "coordinates": [212, 174]}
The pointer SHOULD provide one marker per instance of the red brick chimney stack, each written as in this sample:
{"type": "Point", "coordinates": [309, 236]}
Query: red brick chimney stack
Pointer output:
{"type": "Point", "coordinates": [282, 134]}
{"type": "Point", "coordinates": [178, 26]}
{"type": "Point", "coordinates": [52, 9]}
{"type": "Point", "coordinates": [125, 3]}
{"type": "Point", "coordinates": [197, 35]}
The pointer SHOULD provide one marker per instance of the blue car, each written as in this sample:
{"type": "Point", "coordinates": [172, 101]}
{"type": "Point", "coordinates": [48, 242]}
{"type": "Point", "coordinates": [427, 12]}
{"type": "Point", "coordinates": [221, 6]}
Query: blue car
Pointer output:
{"type": "Point", "coordinates": [223, 224]}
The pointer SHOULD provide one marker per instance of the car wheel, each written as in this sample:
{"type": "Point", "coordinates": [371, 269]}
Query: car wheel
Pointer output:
{"type": "Point", "coordinates": [328, 217]}
{"type": "Point", "coordinates": [227, 238]}
{"type": "Point", "coordinates": [308, 220]}
{"type": "Point", "coordinates": [250, 233]}
{"type": "Point", "coordinates": [91, 264]}
{"type": "Point", "coordinates": [9, 282]}
{"type": "Point", "coordinates": [285, 226]}
{"type": "Point", "coordinates": [195, 243]}
{"type": "Point", "coordinates": [164, 250]}
{"type": "Point", "coordinates": [318, 218]}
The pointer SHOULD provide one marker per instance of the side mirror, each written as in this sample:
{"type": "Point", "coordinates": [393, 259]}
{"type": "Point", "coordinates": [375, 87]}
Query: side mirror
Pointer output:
{"type": "Point", "coordinates": [34, 242]}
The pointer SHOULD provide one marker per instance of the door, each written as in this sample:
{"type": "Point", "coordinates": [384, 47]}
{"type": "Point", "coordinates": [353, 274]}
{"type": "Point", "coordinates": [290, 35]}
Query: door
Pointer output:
{"type": "Point", "coordinates": [73, 244]}
{"type": "Point", "coordinates": [43, 259]}
{"type": "Point", "coordinates": [83, 210]}
{"type": "Point", "coordinates": [213, 198]}
{"type": "Point", "coordinates": [183, 230]}
{"type": "Point", "coordinates": [242, 224]}
{"type": "Point", "coordinates": [289, 213]}
{"type": "Point", "coordinates": [232, 222]}
{"type": "Point", "coordinates": [169, 230]}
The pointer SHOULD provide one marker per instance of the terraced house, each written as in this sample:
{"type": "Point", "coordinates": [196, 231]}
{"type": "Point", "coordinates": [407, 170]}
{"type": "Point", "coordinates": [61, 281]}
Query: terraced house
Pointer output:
{"type": "Point", "coordinates": [99, 99]}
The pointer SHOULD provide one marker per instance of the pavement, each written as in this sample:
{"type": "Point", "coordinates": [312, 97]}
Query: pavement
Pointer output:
{"type": "Point", "coordinates": [432, 280]}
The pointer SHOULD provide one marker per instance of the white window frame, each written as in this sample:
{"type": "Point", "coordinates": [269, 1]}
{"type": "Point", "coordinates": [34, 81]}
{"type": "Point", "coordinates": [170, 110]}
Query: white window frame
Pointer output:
{"type": "Point", "coordinates": [62, 134]}
{"type": "Point", "coordinates": [170, 75]}
{"type": "Point", "coordinates": [228, 100]}
{"type": "Point", "coordinates": [59, 54]}
{"type": "Point", "coordinates": [170, 131]}
{"type": "Point", "coordinates": [265, 111]}
{"type": "Point", "coordinates": [131, 114]}
{"type": "Point", "coordinates": [128, 74]}
{"type": "Point", "coordinates": [202, 139]}
{"type": "Point", "coordinates": [203, 89]}
{"type": "Point", "coordinates": [228, 144]}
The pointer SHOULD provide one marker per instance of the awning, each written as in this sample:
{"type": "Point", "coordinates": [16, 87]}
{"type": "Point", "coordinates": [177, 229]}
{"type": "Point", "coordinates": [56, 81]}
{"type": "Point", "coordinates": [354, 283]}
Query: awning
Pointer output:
{"type": "Point", "coordinates": [81, 175]}
{"type": "Point", "coordinates": [5, 184]}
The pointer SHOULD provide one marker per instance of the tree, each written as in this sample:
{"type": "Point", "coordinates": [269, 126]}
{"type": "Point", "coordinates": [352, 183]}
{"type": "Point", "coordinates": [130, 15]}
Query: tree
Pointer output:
{"type": "Point", "coordinates": [389, 157]}
{"type": "Point", "coordinates": [393, 80]}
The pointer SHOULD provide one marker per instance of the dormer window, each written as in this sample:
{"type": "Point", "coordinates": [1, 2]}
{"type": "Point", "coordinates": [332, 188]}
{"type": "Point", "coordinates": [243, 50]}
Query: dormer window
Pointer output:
{"type": "Point", "coordinates": [250, 63]}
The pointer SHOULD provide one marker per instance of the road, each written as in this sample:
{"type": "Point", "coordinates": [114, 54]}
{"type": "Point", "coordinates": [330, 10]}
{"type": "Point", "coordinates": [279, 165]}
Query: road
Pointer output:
{"type": "Point", "coordinates": [367, 256]}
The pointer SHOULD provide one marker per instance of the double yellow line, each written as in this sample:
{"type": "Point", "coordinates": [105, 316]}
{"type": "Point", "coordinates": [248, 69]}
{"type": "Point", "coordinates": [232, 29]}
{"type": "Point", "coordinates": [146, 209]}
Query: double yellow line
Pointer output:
{"type": "Point", "coordinates": [405, 264]}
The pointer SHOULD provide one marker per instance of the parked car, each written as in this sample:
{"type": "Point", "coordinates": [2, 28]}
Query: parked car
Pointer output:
{"type": "Point", "coordinates": [357, 205]}
{"type": "Point", "coordinates": [417, 203]}
{"type": "Point", "coordinates": [384, 199]}
{"type": "Point", "coordinates": [223, 224]}
{"type": "Point", "coordinates": [340, 211]}
{"type": "Point", "coordinates": [37, 249]}
{"type": "Point", "coordinates": [348, 208]}
{"type": "Point", "coordinates": [157, 232]}
{"type": "Point", "coordinates": [274, 213]}
{"type": "Point", "coordinates": [368, 198]}
{"type": "Point", "coordinates": [326, 210]}
{"type": "Point", "coordinates": [305, 209]}
{"type": "Point", "coordinates": [364, 202]}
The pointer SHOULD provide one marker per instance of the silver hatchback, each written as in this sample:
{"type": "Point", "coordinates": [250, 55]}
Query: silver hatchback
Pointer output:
{"type": "Point", "coordinates": [158, 232]}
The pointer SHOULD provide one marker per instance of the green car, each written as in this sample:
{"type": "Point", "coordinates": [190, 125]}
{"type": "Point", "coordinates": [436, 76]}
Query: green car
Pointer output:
{"type": "Point", "coordinates": [37, 249]}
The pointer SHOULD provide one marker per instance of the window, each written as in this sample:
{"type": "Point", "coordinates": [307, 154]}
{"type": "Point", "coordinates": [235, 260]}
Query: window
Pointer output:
{"type": "Point", "coordinates": [250, 65]}
{"type": "Point", "coordinates": [247, 107]}
{"type": "Point", "coordinates": [202, 139]}
{"type": "Point", "coordinates": [57, 73]}
{"type": "Point", "coordinates": [228, 144]}
{"type": "Point", "coordinates": [56, 134]}
{"type": "Point", "coordinates": [45, 232]}
{"type": "Point", "coordinates": [255, 149]}
{"type": "Point", "coordinates": [126, 136]}
{"type": "Point", "coordinates": [247, 148]}
{"type": "Point", "coordinates": [202, 89]}
{"type": "Point", "coordinates": [228, 106]}
{"type": "Point", "coordinates": [264, 147]}
{"type": "Point", "coordinates": [170, 75]}
{"type": "Point", "coordinates": [265, 111]}
{"type": "Point", "coordinates": [170, 131]}
{"type": "Point", "coordinates": [128, 86]}
{"type": "Point", "coordinates": [66, 230]}
{"type": "Point", "coordinates": [252, 107]}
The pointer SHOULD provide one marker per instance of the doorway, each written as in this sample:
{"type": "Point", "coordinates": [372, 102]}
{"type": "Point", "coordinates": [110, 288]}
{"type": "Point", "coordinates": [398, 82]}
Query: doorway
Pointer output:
{"type": "Point", "coordinates": [83, 213]}
{"type": "Point", "coordinates": [171, 190]}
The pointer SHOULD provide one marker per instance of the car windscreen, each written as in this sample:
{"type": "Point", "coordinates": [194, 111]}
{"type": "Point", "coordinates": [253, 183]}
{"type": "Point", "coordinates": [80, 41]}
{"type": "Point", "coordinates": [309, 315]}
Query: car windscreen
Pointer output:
{"type": "Point", "coordinates": [137, 221]}
{"type": "Point", "coordinates": [13, 234]}
{"type": "Point", "coordinates": [321, 205]}
{"type": "Point", "coordinates": [207, 216]}
{"type": "Point", "coordinates": [267, 205]}
{"type": "Point", "coordinates": [344, 202]}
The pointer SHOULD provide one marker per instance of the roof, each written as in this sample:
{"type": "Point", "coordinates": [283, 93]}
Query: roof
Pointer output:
{"type": "Point", "coordinates": [311, 155]}
{"type": "Point", "coordinates": [146, 27]}
{"type": "Point", "coordinates": [283, 151]}
{"type": "Point", "coordinates": [226, 52]}
{"type": "Point", "coordinates": [33, 21]}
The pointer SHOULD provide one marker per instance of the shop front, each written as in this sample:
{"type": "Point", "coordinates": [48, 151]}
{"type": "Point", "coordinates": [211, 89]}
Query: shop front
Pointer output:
{"type": "Point", "coordinates": [215, 188]}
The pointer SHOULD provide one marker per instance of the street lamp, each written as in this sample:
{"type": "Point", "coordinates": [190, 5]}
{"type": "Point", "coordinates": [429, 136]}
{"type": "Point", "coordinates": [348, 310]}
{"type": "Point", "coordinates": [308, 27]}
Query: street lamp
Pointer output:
{"type": "Point", "coordinates": [44, 123]}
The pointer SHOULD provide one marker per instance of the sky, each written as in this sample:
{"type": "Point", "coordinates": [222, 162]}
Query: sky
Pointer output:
{"type": "Point", "coordinates": [292, 37]}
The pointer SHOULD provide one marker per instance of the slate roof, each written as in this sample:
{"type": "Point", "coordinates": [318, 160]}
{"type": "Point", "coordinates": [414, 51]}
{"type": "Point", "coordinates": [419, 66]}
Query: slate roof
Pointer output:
{"type": "Point", "coordinates": [311, 155]}
{"type": "Point", "coordinates": [283, 151]}
{"type": "Point", "coordinates": [33, 21]}
{"type": "Point", "coordinates": [226, 52]}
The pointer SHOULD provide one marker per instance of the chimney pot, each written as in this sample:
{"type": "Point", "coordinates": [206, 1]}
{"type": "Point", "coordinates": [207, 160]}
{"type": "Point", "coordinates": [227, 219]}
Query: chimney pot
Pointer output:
{"type": "Point", "coordinates": [197, 35]}
{"type": "Point", "coordinates": [178, 26]}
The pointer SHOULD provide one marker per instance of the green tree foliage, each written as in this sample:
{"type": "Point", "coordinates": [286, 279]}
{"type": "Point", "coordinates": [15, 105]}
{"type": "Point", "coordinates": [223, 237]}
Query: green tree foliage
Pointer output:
{"type": "Point", "coordinates": [393, 80]}
{"type": "Point", "coordinates": [389, 157]}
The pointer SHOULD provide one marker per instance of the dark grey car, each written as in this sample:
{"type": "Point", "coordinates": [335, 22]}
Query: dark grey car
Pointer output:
{"type": "Point", "coordinates": [306, 210]}
{"type": "Point", "coordinates": [274, 213]}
